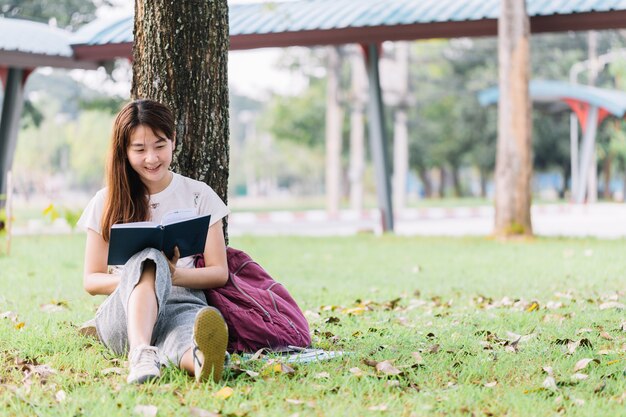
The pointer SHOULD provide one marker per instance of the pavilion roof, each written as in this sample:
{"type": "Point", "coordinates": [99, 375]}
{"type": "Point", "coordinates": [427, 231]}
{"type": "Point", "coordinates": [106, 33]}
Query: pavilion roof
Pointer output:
{"type": "Point", "coordinates": [28, 44]}
{"type": "Point", "coordinates": [614, 102]}
{"type": "Point", "coordinates": [323, 22]}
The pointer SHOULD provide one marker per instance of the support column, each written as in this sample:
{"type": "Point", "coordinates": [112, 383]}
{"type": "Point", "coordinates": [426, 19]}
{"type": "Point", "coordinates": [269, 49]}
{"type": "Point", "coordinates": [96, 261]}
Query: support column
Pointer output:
{"type": "Point", "coordinates": [378, 140]}
{"type": "Point", "coordinates": [400, 131]}
{"type": "Point", "coordinates": [574, 160]}
{"type": "Point", "coordinates": [10, 121]}
{"type": "Point", "coordinates": [334, 121]}
{"type": "Point", "coordinates": [588, 147]}
{"type": "Point", "coordinates": [357, 132]}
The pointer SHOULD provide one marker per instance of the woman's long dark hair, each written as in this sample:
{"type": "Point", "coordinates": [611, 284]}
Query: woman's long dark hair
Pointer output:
{"type": "Point", "coordinates": [127, 196]}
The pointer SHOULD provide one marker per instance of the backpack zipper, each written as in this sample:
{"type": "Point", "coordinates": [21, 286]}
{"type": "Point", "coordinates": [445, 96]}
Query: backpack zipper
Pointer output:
{"type": "Point", "coordinates": [267, 313]}
{"type": "Point", "coordinates": [269, 290]}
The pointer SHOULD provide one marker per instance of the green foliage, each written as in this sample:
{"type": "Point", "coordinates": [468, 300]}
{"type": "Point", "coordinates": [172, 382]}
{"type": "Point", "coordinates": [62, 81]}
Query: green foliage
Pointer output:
{"type": "Point", "coordinates": [75, 150]}
{"type": "Point", "coordinates": [451, 329]}
{"type": "Point", "coordinates": [103, 104]}
{"type": "Point", "coordinates": [71, 216]}
{"type": "Point", "coordinates": [68, 14]}
{"type": "Point", "coordinates": [31, 115]}
{"type": "Point", "coordinates": [299, 118]}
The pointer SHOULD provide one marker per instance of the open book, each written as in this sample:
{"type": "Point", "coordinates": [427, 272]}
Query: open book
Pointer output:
{"type": "Point", "coordinates": [182, 228]}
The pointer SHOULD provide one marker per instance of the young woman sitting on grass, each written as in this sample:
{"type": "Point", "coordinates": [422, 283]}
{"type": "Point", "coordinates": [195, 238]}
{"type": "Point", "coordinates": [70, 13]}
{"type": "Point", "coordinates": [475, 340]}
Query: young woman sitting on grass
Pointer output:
{"type": "Point", "coordinates": [156, 310]}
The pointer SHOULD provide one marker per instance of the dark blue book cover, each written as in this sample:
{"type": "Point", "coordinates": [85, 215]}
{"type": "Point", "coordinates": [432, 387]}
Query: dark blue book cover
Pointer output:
{"type": "Point", "coordinates": [129, 238]}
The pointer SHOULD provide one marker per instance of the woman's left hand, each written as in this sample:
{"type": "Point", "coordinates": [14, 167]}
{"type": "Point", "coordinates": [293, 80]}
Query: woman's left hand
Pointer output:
{"type": "Point", "coordinates": [172, 262]}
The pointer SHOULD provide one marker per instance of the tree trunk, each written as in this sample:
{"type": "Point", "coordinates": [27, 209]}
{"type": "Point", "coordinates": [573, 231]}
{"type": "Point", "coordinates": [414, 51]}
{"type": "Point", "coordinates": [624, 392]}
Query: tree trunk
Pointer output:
{"type": "Point", "coordinates": [483, 182]}
{"type": "Point", "coordinates": [606, 169]}
{"type": "Point", "coordinates": [513, 160]}
{"type": "Point", "coordinates": [426, 183]}
{"type": "Point", "coordinates": [180, 58]}
{"type": "Point", "coordinates": [456, 180]}
{"type": "Point", "coordinates": [443, 174]}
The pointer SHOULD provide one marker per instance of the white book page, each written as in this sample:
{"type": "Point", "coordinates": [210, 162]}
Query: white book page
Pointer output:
{"type": "Point", "coordinates": [176, 216]}
{"type": "Point", "coordinates": [135, 224]}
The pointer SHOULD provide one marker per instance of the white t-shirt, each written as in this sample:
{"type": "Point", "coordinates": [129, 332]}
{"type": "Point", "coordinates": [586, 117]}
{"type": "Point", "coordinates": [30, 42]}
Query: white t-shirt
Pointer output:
{"type": "Point", "coordinates": [182, 193]}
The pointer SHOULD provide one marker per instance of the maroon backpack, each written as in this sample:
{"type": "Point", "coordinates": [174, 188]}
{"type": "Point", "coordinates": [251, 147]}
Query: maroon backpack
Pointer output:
{"type": "Point", "coordinates": [259, 311]}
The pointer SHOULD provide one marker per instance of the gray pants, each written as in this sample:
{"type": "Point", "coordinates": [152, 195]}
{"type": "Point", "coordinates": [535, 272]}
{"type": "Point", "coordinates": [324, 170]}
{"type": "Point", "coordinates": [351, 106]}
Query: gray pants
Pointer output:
{"type": "Point", "coordinates": [177, 309]}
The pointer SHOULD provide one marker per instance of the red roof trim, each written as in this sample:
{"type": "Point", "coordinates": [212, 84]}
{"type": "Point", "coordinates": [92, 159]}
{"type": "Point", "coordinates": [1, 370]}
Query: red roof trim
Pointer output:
{"type": "Point", "coordinates": [104, 52]}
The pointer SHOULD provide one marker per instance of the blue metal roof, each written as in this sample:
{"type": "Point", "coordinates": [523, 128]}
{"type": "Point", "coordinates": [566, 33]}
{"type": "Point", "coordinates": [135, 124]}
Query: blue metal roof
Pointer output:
{"type": "Point", "coordinates": [306, 15]}
{"type": "Point", "coordinates": [25, 36]}
{"type": "Point", "coordinates": [542, 90]}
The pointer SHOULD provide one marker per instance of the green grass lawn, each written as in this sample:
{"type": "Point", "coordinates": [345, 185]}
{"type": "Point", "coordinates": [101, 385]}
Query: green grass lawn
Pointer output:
{"type": "Point", "coordinates": [467, 327]}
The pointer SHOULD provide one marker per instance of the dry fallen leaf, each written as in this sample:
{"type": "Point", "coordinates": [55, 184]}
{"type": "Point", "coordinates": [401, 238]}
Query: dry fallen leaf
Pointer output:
{"type": "Point", "coordinates": [549, 383]}
{"type": "Point", "coordinates": [356, 372]}
{"type": "Point", "coordinates": [434, 349]}
{"type": "Point", "coordinates": [418, 358]}
{"type": "Point", "coordinates": [312, 316]}
{"type": "Point", "coordinates": [9, 315]}
{"type": "Point", "coordinates": [146, 410]}
{"type": "Point", "coordinates": [224, 393]}
{"type": "Point", "coordinates": [491, 384]}
{"type": "Point", "coordinates": [579, 376]}
{"type": "Point", "coordinates": [573, 345]}
{"type": "Point", "coordinates": [381, 407]}
{"type": "Point", "coordinates": [606, 336]}
{"type": "Point", "coordinates": [60, 396]}
{"type": "Point", "coordinates": [582, 364]}
{"type": "Point", "coordinates": [278, 368]}
{"type": "Point", "coordinates": [554, 305]}
{"type": "Point", "coordinates": [532, 307]}
{"type": "Point", "coordinates": [42, 371]}
{"type": "Point", "coordinates": [54, 306]}
{"type": "Point", "coordinates": [612, 304]}
{"type": "Point", "coordinates": [387, 368]}
{"type": "Point", "coordinates": [114, 370]}
{"type": "Point", "coordinates": [199, 412]}
{"type": "Point", "coordinates": [355, 311]}
{"type": "Point", "coordinates": [322, 375]}
{"type": "Point", "coordinates": [294, 401]}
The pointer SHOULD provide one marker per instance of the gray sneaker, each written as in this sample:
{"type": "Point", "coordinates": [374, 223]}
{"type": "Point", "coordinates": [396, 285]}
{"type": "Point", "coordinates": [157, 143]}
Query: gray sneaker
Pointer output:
{"type": "Point", "coordinates": [210, 337]}
{"type": "Point", "coordinates": [144, 364]}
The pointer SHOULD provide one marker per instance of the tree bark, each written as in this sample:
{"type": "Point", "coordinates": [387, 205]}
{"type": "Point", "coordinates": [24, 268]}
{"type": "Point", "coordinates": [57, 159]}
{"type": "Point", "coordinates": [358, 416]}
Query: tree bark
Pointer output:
{"type": "Point", "coordinates": [483, 182]}
{"type": "Point", "coordinates": [443, 177]}
{"type": "Point", "coordinates": [180, 57]}
{"type": "Point", "coordinates": [456, 180]}
{"type": "Point", "coordinates": [514, 158]}
{"type": "Point", "coordinates": [606, 168]}
{"type": "Point", "coordinates": [426, 183]}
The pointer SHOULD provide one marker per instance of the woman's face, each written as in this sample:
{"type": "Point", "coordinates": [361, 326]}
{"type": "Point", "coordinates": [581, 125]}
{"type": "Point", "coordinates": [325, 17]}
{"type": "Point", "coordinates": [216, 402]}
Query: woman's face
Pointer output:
{"type": "Point", "coordinates": [150, 155]}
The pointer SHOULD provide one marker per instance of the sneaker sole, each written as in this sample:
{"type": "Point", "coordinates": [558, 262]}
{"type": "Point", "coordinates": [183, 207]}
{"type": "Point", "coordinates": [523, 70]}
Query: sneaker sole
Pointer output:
{"type": "Point", "coordinates": [144, 379]}
{"type": "Point", "coordinates": [211, 336]}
